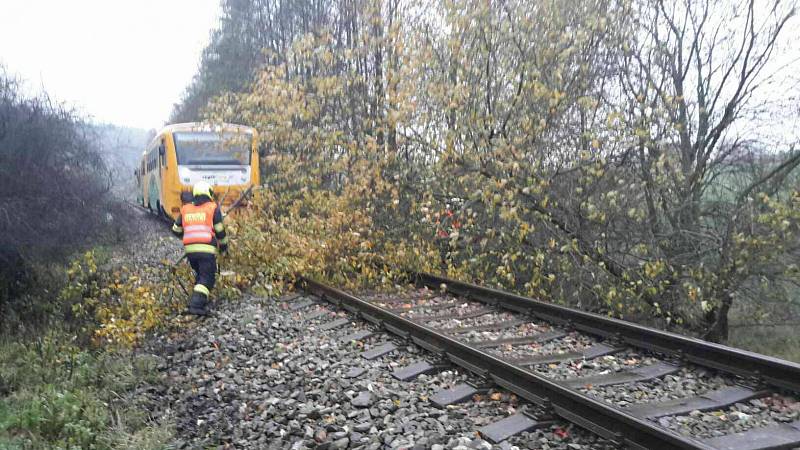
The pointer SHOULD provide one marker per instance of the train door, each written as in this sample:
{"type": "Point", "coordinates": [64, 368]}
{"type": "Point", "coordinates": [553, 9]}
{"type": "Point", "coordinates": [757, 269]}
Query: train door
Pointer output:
{"type": "Point", "coordinates": [141, 192]}
{"type": "Point", "coordinates": [153, 197]}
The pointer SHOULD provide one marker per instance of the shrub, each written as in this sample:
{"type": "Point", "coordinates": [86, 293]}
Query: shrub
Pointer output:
{"type": "Point", "coordinates": [55, 394]}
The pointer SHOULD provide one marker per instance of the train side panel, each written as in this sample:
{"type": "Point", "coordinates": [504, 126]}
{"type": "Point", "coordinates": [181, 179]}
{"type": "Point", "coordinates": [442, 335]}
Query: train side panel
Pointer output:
{"type": "Point", "coordinates": [171, 193]}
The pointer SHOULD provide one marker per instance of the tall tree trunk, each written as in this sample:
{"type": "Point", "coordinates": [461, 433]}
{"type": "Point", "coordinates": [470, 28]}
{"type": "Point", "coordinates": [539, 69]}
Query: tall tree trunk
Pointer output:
{"type": "Point", "coordinates": [378, 99]}
{"type": "Point", "coordinates": [717, 320]}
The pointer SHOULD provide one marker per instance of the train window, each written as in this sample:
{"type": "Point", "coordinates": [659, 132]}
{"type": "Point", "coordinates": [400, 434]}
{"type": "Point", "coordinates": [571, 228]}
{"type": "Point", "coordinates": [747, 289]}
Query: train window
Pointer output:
{"type": "Point", "coordinates": [211, 148]}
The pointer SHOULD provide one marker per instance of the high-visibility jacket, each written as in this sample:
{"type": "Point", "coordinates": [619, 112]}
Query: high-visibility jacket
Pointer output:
{"type": "Point", "coordinates": [200, 226]}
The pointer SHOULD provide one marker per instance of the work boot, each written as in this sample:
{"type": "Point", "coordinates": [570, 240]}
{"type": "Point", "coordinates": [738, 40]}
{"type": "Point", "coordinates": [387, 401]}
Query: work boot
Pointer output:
{"type": "Point", "coordinates": [197, 304]}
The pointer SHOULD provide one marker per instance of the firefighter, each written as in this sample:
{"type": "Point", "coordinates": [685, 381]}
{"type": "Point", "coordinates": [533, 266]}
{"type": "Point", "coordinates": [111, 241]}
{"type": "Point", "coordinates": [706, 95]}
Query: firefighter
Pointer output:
{"type": "Point", "coordinates": [200, 226]}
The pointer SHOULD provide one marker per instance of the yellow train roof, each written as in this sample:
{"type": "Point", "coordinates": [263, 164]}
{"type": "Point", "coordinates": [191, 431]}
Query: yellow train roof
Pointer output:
{"type": "Point", "coordinates": [204, 126]}
{"type": "Point", "coordinates": [199, 126]}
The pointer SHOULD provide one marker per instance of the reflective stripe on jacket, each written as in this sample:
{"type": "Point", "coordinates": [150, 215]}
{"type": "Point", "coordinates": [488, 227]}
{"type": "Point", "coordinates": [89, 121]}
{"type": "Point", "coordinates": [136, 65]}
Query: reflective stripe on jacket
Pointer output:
{"type": "Point", "coordinates": [198, 227]}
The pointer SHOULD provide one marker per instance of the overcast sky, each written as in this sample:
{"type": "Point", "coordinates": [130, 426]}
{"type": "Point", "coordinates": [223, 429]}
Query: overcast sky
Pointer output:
{"type": "Point", "coordinates": [119, 61]}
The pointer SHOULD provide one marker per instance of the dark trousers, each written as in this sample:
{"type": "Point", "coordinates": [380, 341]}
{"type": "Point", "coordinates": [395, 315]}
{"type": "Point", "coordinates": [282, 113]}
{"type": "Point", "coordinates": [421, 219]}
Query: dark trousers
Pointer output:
{"type": "Point", "coordinates": [205, 268]}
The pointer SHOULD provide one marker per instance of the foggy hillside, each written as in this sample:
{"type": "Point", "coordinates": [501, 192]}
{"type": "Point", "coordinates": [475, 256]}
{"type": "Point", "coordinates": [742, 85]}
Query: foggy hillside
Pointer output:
{"type": "Point", "coordinates": [121, 148]}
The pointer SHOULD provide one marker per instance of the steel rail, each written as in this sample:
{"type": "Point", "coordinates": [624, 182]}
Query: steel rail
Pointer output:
{"type": "Point", "coordinates": [149, 213]}
{"type": "Point", "coordinates": [768, 370]}
{"type": "Point", "coordinates": [603, 419]}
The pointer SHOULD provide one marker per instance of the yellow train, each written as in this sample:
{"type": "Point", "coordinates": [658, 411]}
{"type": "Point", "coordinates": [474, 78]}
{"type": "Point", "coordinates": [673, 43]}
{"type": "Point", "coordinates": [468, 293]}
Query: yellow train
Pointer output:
{"type": "Point", "coordinates": [225, 156]}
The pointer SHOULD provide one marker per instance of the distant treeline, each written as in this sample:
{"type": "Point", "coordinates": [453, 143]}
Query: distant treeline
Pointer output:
{"type": "Point", "coordinates": [121, 148]}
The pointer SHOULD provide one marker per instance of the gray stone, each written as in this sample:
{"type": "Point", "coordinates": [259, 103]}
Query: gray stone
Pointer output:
{"type": "Point", "coordinates": [340, 443]}
{"type": "Point", "coordinates": [363, 400]}
{"type": "Point", "coordinates": [362, 427]}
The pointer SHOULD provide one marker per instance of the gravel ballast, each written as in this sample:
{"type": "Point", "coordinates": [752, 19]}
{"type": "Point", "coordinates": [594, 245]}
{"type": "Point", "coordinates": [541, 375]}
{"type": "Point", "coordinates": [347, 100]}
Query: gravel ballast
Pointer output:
{"type": "Point", "coordinates": [452, 325]}
{"type": "Point", "coordinates": [573, 342]}
{"type": "Point", "coordinates": [740, 417]}
{"type": "Point", "coordinates": [688, 382]}
{"type": "Point", "coordinates": [424, 303]}
{"type": "Point", "coordinates": [521, 330]}
{"type": "Point", "coordinates": [256, 376]}
{"type": "Point", "coordinates": [604, 365]}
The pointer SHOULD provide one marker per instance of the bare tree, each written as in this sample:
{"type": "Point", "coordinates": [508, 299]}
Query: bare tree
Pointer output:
{"type": "Point", "coordinates": [696, 69]}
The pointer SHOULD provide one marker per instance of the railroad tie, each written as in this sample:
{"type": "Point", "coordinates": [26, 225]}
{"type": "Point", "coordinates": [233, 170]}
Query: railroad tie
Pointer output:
{"type": "Point", "coordinates": [655, 370]}
{"type": "Point", "coordinates": [718, 399]}
{"type": "Point", "coordinates": [456, 394]}
{"type": "Point", "coordinates": [377, 352]}
{"type": "Point", "coordinates": [315, 315]}
{"type": "Point", "coordinates": [594, 351]}
{"type": "Point", "coordinates": [487, 327]}
{"type": "Point", "coordinates": [503, 429]}
{"type": "Point", "coordinates": [295, 306]}
{"type": "Point", "coordinates": [540, 338]}
{"type": "Point", "coordinates": [469, 315]}
{"type": "Point", "coordinates": [356, 336]}
{"type": "Point", "coordinates": [785, 435]}
{"type": "Point", "coordinates": [414, 370]}
{"type": "Point", "coordinates": [334, 324]}
{"type": "Point", "coordinates": [435, 307]}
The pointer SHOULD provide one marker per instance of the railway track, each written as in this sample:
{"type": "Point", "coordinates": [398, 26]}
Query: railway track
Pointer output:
{"type": "Point", "coordinates": [148, 213]}
{"type": "Point", "coordinates": [574, 365]}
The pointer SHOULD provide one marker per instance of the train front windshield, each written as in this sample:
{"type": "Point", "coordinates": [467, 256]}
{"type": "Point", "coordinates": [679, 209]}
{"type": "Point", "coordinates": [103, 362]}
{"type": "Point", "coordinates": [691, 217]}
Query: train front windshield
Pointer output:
{"type": "Point", "coordinates": [198, 148]}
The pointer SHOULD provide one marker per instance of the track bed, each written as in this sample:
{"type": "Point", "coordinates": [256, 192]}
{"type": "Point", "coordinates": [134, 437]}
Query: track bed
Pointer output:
{"type": "Point", "coordinates": [640, 387]}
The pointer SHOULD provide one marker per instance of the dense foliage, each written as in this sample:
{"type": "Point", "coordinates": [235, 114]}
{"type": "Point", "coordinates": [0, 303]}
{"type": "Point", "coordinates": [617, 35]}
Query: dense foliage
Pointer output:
{"type": "Point", "coordinates": [54, 187]}
{"type": "Point", "coordinates": [600, 154]}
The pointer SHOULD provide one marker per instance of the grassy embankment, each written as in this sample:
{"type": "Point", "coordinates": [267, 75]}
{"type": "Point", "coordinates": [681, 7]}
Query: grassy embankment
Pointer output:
{"type": "Point", "coordinates": [778, 341]}
{"type": "Point", "coordinates": [55, 394]}
{"type": "Point", "coordinates": [60, 391]}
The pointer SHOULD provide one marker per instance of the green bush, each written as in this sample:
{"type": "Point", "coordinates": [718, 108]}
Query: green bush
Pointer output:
{"type": "Point", "coordinates": [54, 394]}
{"type": "Point", "coordinates": [67, 418]}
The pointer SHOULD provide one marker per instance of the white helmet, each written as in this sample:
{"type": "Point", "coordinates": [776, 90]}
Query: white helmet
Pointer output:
{"type": "Point", "coordinates": [201, 188]}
